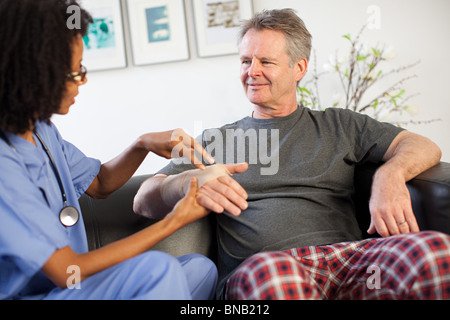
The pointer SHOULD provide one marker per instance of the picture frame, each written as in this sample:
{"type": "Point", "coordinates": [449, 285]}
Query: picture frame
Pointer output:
{"type": "Point", "coordinates": [217, 24]}
{"type": "Point", "coordinates": [104, 45]}
{"type": "Point", "coordinates": [158, 31]}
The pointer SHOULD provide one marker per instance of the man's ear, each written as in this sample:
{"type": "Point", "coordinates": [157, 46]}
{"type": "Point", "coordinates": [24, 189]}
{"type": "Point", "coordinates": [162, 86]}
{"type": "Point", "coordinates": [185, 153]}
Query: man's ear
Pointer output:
{"type": "Point", "coordinates": [301, 67]}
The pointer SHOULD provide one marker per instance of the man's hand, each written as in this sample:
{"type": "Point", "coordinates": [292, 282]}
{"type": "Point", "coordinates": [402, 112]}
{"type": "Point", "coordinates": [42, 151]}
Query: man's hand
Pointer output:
{"type": "Point", "coordinates": [224, 193]}
{"type": "Point", "coordinates": [390, 205]}
{"type": "Point", "coordinates": [218, 191]}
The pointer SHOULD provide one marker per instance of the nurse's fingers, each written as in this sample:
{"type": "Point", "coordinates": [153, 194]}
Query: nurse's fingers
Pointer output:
{"type": "Point", "coordinates": [197, 147]}
{"type": "Point", "coordinates": [191, 148]}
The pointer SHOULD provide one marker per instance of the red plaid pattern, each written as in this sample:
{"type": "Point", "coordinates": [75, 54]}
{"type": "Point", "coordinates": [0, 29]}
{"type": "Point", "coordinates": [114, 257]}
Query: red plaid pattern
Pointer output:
{"type": "Point", "coordinates": [412, 266]}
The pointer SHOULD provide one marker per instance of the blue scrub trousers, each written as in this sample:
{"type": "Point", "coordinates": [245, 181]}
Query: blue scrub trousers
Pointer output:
{"type": "Point", "coordinates": [150, 276]}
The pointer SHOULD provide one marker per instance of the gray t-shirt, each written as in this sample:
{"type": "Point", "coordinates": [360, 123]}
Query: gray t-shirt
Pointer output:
{"type": "Point", "coordinates": [299, 181]}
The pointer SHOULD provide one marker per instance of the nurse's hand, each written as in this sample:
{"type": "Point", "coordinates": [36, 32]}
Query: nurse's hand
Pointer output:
{"type": "Point", "coordinates": [187, 210]}
{"type": "Point", "coordinates": [176, 144]}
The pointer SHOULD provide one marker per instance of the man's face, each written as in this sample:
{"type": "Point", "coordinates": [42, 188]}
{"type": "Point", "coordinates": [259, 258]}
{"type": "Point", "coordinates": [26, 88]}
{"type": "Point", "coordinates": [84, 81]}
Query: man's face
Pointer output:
{"type": "Point", "coordinates": [268, 78]}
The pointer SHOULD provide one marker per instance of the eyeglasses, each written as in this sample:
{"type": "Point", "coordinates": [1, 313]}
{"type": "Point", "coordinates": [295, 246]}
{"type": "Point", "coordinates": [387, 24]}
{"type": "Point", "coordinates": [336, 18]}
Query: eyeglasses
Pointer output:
{"type": "Point", "coordinates": [78, 76]}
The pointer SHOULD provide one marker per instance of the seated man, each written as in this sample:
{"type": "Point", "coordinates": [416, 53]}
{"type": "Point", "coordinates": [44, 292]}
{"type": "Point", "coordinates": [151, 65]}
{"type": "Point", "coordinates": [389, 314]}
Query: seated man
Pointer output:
{"type": "Point", "coordinates": [286, 225]}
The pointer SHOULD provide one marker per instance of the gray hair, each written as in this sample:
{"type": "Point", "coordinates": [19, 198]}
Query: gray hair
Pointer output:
{"type": "Point", "coordinates": [298, 38]}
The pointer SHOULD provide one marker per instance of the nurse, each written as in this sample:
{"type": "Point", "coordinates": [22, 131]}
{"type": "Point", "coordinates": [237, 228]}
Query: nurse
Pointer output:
{"type": "Point", "coordinates": [43, 245]}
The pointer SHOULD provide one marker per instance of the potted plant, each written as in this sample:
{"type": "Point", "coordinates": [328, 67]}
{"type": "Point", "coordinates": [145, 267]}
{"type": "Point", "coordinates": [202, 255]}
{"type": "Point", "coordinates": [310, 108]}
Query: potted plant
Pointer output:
{"type": "Point", "coordinates": [360, 71]}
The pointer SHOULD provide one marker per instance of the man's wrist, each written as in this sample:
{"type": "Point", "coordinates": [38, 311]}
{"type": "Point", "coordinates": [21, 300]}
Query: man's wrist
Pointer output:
{"type": "Point", "coordinates": [389, 172]}
{"type": "Point", "coordinates": [174, 187]}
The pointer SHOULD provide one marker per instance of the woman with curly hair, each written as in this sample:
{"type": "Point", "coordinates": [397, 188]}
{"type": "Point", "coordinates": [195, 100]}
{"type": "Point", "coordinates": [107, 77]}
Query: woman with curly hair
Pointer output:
{"type": "Point", "coordinates": [42, 235]}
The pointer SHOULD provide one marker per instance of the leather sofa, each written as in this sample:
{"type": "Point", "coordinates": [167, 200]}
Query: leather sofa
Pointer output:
{"type": "Point", "coordinates": [112, 219]}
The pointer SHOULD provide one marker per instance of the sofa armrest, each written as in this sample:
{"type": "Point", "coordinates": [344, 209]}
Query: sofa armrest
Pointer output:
{"type": "Point", "coordinates": [430, 197]}
{"type": "Point", "coordinates": [109, 220]}
{"type": "Point", "coordinates": [430, 193]}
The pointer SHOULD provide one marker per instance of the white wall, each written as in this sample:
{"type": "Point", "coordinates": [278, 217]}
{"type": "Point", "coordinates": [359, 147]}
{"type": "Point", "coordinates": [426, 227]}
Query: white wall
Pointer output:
{"type": "Point", "coordinates": [117, 106]}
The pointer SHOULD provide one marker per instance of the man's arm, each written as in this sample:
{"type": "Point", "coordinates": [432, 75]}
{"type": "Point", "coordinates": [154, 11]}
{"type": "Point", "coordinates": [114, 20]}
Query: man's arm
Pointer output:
{"type": "Point", "coordinates": [390, 204]}
{"type": "Point", "coordinates": [119, 170]}
{"type": "Point", "coordinates": [218, 191]}
{"type": "Point", "coordinates": [148, 201]}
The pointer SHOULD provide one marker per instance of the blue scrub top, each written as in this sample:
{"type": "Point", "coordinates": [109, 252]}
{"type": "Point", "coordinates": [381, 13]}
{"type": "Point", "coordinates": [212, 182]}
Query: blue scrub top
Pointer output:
{"type": "Point", "coordinates": [30, 202]}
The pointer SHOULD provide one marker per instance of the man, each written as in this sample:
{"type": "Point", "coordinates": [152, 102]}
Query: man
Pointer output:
{"type": "Point", "coordinates": [288, 231]}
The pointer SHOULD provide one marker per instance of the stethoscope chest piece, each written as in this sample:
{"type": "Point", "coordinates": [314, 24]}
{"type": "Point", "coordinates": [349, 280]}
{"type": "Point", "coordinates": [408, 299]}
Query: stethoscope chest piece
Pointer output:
{"type": "Point", "coordinates": [69, 216]}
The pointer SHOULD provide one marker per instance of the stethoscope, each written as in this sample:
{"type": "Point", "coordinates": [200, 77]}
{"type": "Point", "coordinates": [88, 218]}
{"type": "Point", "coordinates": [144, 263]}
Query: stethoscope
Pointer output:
{"type": "Point", "coordinates": [68, 215]}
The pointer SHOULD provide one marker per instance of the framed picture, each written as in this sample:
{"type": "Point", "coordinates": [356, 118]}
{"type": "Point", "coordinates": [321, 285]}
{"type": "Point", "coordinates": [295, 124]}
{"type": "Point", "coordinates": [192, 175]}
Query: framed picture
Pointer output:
{"type": "Point", "coordinates": [217, 24]}
{"type": "Point", "coordinates": [158, 31]}
{"type": "Point", "coordinates": [104, 45]}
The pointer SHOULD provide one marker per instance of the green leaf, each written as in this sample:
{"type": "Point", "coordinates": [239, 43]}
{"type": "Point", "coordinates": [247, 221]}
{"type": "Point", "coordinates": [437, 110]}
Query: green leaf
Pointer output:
{"type": "Point", "coordinates": [400, 94]}
{"type": "Point", "coordinates": [361, 58]}
{"type": "Point", "coordinates": [375, 104]}
{"type": "Point", "coordinates": [347, 36]}
{"type": "Point", "coordinates": [301, 89]}
{"type": "Point", "coordinates": [394, 102]}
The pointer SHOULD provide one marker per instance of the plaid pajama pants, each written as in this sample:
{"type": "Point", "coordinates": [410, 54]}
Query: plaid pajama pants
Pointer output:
{"type": "Point", "coordinates": [411, 266]}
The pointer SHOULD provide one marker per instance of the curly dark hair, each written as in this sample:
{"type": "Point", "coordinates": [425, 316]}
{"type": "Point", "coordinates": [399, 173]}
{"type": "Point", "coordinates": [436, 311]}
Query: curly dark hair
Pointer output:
{"type": "Point", "coordinates": [35, 58]}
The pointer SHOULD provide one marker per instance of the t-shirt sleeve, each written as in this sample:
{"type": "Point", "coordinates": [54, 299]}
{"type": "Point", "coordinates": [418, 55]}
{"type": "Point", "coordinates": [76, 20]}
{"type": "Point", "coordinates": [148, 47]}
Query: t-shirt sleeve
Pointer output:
{"type": "Point", "coordinates": [369, 138]}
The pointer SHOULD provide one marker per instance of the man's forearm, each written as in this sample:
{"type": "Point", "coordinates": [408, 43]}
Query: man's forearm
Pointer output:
{"type": "Point", "coordinates": [410, 155]}
{"type": "Point", "coordinates": [158, 195]}
{"type": "Point", "coordinates": [148, 201]}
